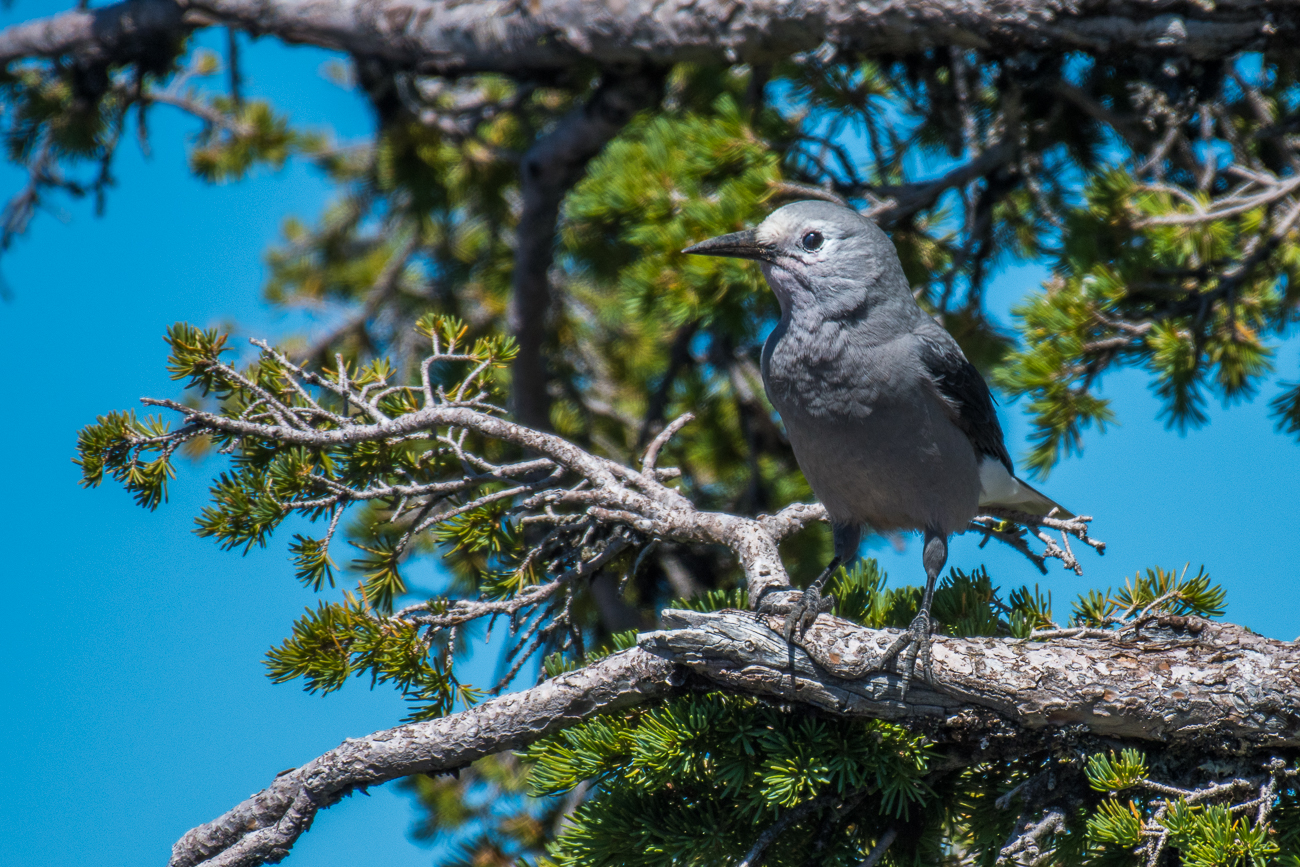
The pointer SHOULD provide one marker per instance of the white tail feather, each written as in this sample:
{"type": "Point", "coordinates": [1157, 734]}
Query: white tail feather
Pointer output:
{"type": "Point", "coordinates": [999, 488]}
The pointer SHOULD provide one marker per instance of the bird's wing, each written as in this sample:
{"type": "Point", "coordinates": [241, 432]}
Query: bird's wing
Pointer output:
{"type": "Point", "coordinates": [963, 392]}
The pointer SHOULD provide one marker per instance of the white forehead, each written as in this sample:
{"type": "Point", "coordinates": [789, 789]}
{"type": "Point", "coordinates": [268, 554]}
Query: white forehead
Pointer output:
{"type": "Point", "coordinates": [793, 220]}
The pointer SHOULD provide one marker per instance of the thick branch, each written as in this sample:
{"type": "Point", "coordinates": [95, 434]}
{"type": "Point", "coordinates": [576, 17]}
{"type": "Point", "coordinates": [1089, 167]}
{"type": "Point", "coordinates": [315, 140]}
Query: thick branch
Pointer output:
{"type": "Point", "coordinates": [263, 828]}
{"type": "Point", "coordinates": [447, 36]}
{"type": "Point", "coordinates": [118, 32]}
{"type": "Point", "coordinates": [548, 171]}
{"type": "Point", "coordinates": [1210, 684]}
{"type": "Point", "coordinates": [1200, 681]}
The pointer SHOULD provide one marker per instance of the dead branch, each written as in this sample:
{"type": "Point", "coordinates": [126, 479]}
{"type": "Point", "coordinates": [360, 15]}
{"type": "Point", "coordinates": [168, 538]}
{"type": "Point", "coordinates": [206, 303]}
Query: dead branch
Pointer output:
{"type": "Point", "coordinates": [1216, 686]}
{"type": "Point", "coordinates": [1026, 846]}
{"type": "Point", "coordinates": [444, 36]}
{"type": "Point", "coordinates": [263, 828]}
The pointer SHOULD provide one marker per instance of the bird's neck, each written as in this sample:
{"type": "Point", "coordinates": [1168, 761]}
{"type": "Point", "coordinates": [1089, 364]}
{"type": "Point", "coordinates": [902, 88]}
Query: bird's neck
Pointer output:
{"type": "Point", "coordinates": [820, 348]}
{"type": "Point", "coordinates": [822, 331]}
{"type": "Point", "coordinates": [873, 314]}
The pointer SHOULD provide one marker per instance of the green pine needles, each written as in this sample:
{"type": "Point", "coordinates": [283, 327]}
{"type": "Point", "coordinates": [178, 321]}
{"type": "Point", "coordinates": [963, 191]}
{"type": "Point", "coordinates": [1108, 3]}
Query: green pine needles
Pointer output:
{"type": "Point", "coordinates": [695, 781]}
{"type": "Point", "coordinates": [703, 779]}
{"type": "Point", "coordinates": [526, 522]}
{"type": "Point", "coordinates": [1156, 591]}
{"type": "Point", "coordinates": [965, 604]}
{"type": "Point", "coordinates": [1118, 298]}
{"type": "Point", "coordinates": [279, 475]}
{"type": "Point", "coordinates": [1223, 824]}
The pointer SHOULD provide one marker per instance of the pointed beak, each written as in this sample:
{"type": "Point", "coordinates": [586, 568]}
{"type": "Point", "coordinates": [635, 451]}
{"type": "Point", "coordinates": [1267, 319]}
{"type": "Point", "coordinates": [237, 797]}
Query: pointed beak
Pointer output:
{"type": "Point", "coordinates": [737, 245]}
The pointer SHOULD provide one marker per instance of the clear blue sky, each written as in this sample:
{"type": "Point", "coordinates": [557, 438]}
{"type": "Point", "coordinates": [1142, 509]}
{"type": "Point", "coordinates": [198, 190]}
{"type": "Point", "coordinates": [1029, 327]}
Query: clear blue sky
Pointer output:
{"type": "Point", "coordinates": [137, 706]}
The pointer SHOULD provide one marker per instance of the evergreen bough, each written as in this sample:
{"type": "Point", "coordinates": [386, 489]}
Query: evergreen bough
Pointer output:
{"type": "Point", "coordinates": [1159, 186]}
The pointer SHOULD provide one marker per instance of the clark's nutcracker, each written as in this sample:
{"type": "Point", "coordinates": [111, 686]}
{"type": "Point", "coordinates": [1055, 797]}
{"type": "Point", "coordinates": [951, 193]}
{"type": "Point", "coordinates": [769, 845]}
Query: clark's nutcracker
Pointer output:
{"type": "Point", "coordinates": [892, 426]}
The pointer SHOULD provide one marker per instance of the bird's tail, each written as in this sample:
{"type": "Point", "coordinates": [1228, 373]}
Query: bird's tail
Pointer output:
{"type": "Point", "coordinates": [1035, 502]}
{"type": "Point", "coordinates": [1000, 488]}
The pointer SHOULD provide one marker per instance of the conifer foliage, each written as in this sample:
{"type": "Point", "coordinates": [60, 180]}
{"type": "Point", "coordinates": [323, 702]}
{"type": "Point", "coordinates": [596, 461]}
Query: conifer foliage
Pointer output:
{"type": "Point", "coordinates": [703, 777]}
{"type": "Point", "coordinates": [1162, 188]}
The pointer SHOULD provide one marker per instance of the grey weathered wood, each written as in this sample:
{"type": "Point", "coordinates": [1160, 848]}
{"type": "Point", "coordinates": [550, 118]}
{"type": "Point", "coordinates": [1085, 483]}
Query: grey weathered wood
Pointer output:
{"type": "Point", "coordinates": [1182, 681]}
{"type": "Point", "coordinates": [552, 35]}
{"type": "Point", "coordinates": [263, 828]}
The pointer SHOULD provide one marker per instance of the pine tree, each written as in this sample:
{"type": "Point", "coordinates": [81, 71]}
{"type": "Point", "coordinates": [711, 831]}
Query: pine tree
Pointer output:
{"type": "Point", "coordinates": [1159, 184]}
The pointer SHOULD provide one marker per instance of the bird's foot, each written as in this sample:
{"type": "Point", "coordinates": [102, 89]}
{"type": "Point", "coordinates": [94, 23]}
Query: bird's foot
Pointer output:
{"type": "Point", "coordinates": [913, 643]}
{"type": "Point", "coordinates": [804, 611]}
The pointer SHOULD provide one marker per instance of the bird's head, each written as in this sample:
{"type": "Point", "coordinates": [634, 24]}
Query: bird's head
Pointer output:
{"type": "Point", "coordinates": [821, 255]}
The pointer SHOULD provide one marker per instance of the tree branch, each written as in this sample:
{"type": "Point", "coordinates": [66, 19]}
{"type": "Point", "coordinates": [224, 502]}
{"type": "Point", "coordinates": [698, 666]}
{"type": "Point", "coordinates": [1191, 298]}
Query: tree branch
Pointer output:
{"type": "Point", "coordinates": [758, 852]}
{"type": "Point", "coordinates": [116, 33]}
{"type": "Point", "coordinates": [899, 203]}
{"type": "Point", "coordinates": [452, 36]}
{"type": "Point", "coordinates": [1200, 679]}
{"type": "Point", "coordinates": [264, 828]}
{"type": "Point", "coordinates": [1201, 682]}
{"type": "Point", "coordinates": [1030, 842]}
{"type": "Point", "coordinates": [547, 172]}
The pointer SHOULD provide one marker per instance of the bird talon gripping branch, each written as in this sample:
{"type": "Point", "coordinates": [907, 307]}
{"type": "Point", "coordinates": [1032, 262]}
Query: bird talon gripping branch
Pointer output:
{"type": "Point", "coordinates": [892, 426]}
{"type": "Point", "coordinates": [805, 611]}
{"type": "Point", "coordinates": [913, 643]}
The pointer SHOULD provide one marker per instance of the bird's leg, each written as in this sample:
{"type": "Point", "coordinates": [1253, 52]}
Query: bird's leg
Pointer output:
{"type": "Point", "coordinates": [917, 637]}
{"type": "Point", "coordinates": [848, 538]}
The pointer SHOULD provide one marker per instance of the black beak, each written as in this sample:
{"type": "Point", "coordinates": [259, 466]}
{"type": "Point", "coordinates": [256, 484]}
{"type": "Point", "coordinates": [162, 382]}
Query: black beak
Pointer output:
{"type": "Point", "coordinates": [738, 245]}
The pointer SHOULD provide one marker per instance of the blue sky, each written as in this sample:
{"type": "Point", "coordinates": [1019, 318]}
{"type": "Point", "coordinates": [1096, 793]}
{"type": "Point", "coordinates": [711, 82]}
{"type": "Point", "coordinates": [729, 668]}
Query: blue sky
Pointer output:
{"type": "Point", "coordinates": [137, 701]}
{"type": "Point", "coordinates": [138, 704]}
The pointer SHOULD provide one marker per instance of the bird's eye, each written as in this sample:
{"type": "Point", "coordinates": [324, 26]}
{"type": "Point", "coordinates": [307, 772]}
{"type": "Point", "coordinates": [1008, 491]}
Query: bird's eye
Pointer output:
{"type": "Point", "coordinates": [812, 241]}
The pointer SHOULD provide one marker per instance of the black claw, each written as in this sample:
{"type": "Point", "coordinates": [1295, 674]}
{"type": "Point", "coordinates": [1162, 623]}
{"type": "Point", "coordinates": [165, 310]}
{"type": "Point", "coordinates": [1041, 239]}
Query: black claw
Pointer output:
{"type": "Point", "coordinates": [805, 611]}
{"type": "Point", "coordinates": [916, 642]}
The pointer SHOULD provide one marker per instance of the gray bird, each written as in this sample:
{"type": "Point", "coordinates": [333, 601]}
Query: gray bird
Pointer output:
{"type": "Point", "coordinates": [892, 426]}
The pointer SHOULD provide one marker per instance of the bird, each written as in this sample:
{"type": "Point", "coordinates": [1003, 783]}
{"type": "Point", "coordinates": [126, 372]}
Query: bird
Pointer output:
{"type": "Point", "coordinates": [894, 429]}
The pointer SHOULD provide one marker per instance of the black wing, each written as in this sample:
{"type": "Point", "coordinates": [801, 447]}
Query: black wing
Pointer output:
{"type": "Point", "coordinates": [964, 392]}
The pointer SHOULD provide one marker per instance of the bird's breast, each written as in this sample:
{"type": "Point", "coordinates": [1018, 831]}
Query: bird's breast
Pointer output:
{"type": "Point", "coordinates": [821, 373]}
{"type": "Point", "coordinates": [875, 444]}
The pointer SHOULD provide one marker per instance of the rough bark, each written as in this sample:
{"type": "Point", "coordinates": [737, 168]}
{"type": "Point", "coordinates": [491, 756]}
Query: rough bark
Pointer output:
{"type": "Point", "coordinates": [1213, 686]}
{"type": "Point", "coordinates": [614, 494]}
{"type": "Point", "coordinates": [453, 36]}
{"type": "Point", "coordinates": [547, 172]}
{"type": "Point", "coordinates": [263, 828]}
{"type": "Point", "coordinates": [1183, 680]}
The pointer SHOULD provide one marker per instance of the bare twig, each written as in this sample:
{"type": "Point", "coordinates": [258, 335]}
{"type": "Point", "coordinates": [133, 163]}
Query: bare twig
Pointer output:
{"type": "Point", "coordinates": [993, 526]}
{"type": "Point", "coordinates": [652, 451]}
{"type": "Point", "coordinates": [1027, 846]}
{"type": "Point", "coordinates": [882, 846]}
{"type": "Point", "coordinates": [758, 851]}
